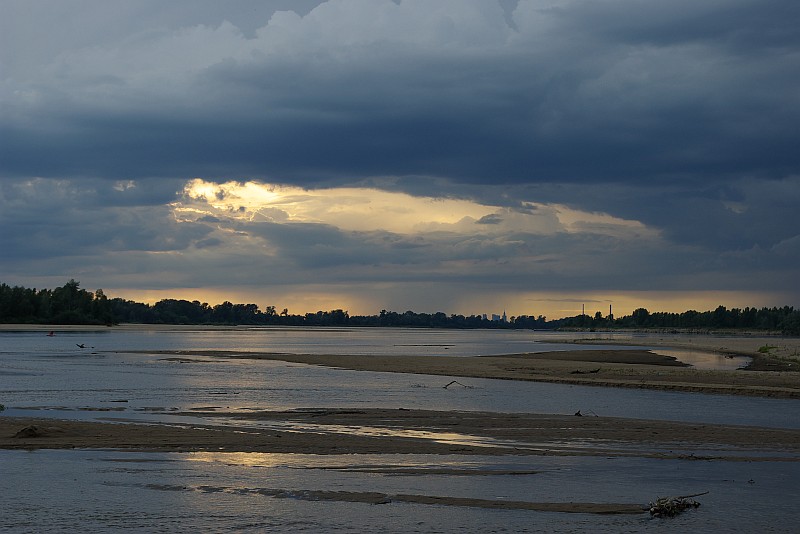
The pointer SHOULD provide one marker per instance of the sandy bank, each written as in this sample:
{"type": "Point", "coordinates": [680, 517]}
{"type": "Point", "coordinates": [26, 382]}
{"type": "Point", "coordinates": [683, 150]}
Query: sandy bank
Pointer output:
{"type": "Point", "coordinates": [610, 368]}
{"type": "Point", "coordinates": [770, 352]}
{"type": "Point", "coordinates": [383, 431]}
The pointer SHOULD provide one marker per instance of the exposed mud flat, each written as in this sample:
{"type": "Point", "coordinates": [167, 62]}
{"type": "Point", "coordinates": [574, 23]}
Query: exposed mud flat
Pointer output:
{"type": "Point", "coordinates": [611, 368]}
{"type": "Point", "coordinates": [416, 432]}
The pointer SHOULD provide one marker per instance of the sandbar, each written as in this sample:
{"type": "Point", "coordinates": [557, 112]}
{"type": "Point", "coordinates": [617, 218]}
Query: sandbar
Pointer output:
{"type": "Point", "coordinates": [402, 431]}
{"type": "Point", "coordinates": [630, 368]}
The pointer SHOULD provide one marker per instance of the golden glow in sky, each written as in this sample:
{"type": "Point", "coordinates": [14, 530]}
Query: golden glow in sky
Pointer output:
{"type": "Point", "coordinates": [363, 249]}
{"type": "Point", "coordinates": [453, 241]}
{"type": "Point", "coordinates": [553, 305]}
{"type": "Point", "coordinates": [365, 210]}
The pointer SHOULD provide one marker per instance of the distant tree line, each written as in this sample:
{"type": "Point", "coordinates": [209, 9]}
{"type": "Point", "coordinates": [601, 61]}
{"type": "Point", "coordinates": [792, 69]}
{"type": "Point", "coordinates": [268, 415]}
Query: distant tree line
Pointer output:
{"type": "Point", "coordinates": [785, 319]}
{"type": "Point", "coordinates": [64, 305]}
{"type": "Point", "coordinates": [70, 304]}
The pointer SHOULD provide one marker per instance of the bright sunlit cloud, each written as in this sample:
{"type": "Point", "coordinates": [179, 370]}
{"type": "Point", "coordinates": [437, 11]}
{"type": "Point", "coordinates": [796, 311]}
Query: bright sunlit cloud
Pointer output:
{"type": "Point", "coordinates": [365, 210]}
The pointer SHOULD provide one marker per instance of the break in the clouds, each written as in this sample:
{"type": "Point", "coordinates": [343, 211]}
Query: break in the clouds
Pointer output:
{"type": "Point", "coordinates": [403, 153]}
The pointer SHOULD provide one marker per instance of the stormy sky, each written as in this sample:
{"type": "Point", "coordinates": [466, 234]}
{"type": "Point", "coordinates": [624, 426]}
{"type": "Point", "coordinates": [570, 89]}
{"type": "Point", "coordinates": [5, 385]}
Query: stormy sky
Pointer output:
{"type": "Point", "coordinates": [465, 156]}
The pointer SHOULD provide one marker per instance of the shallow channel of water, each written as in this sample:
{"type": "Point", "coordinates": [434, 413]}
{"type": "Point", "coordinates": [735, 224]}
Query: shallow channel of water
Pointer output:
{"type": "Point", "coordinates": [103, 491]}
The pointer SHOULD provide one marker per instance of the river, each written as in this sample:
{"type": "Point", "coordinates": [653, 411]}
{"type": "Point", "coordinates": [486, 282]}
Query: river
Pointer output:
{"type": "Point", "coordinates": [103, 491]}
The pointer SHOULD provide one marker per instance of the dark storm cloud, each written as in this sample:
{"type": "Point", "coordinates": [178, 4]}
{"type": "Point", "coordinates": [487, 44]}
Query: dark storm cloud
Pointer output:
{"type": "Point", "coordinates": [576, 91]}
{"type": "Point", "coordinates": [520, 261]}
{"type": "Point", "coordinates": [737, 214]}
{"type": "Point", "coordinates": [55, 219]}
{"type": "Point", "coordinates": [682, 116]}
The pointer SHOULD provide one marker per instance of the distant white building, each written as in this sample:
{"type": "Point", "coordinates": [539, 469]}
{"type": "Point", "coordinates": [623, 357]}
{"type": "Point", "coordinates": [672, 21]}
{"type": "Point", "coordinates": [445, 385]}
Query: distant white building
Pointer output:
{"type": "Point", "coordinates": [499, 318]}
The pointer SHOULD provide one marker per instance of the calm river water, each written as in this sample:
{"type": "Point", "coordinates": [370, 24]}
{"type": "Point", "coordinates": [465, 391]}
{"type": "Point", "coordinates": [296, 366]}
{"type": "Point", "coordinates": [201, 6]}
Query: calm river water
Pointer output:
{"type": "Point", "coordinates": [107, 491]}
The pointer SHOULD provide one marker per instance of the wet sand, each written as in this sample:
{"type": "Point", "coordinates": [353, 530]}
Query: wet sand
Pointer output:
{"type": "Point", "coordinates": [610, 368]}
{"type": "Point", "coordinates": [769, 352]}
{"type": "Point", "coordinates": [382, 431]}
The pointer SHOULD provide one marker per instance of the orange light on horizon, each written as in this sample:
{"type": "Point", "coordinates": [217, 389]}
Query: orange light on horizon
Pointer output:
{"type": "Point", "coordinates": [366, 301]}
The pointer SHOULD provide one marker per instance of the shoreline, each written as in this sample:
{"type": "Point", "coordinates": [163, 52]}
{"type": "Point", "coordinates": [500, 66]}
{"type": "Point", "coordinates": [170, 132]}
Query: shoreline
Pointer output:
{"type": "Point", "coordinates": [769, 350]}
{"type": "Point", "coordinates": [403, 431]}
{"type": "Point", "coordinates": [638, 369]}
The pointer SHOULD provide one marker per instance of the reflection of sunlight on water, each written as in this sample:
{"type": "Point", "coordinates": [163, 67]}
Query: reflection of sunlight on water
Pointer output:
{"type": "Point", "coordinates": [331, 462]}
{"type": "Point", "coordinates": [705, 360]}
{"type": "Point", "coordinates": [248, 459]}
{"type": "Point", "coordinates": [222, 492]}
{"type": "Point", "coordinates": [446, 438]}
{"type": "Point", "coordinates": [449, 438]}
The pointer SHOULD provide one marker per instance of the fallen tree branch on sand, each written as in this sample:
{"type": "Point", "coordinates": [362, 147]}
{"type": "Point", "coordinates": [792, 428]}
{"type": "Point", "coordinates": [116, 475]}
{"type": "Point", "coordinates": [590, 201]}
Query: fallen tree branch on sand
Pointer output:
{"type": "Point", "coordinates": [672, 506]}
{"type": "Point", "coordinates": [456, 382]}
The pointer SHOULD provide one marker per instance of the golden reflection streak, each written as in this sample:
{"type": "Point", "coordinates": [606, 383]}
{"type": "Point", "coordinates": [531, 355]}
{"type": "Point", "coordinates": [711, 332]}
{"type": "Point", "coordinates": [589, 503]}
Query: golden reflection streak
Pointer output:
{"type": "Point", "coordinates": [249, 459]}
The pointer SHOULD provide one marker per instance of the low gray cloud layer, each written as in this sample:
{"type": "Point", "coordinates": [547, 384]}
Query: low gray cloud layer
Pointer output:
{"type": "Point", "coordinates": [682, 116]}
{"type": "Point", "coordinates": [578, 91]}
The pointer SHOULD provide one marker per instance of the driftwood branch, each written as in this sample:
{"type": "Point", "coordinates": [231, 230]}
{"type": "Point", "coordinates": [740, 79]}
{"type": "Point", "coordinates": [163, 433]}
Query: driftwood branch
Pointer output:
{"type": "Point", "coordinates": [672, 506]}
{"type": "Point", "coordinates": [456, 382]}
